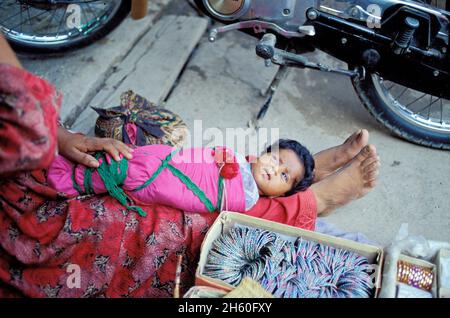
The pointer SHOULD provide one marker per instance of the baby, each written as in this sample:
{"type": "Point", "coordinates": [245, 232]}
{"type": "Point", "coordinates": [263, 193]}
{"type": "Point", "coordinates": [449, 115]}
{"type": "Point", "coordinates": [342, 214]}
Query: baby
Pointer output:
{"type": "Point", "coordinates": [192, 179]}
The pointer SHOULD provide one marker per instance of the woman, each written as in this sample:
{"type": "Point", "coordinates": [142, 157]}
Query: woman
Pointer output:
{"type": "Point", "coordinates": [90, 246]}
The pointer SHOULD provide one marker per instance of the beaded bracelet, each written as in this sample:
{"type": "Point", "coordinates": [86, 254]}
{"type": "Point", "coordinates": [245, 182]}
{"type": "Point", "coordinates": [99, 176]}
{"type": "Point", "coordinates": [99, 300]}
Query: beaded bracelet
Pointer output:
{"type": "Point", "coordinates": [303, 269]}
{"type": "Point", "coordinates": [415, 275]}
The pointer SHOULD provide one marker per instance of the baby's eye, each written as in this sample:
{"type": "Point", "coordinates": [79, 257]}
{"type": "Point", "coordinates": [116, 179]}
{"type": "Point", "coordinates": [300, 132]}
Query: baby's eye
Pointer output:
{"type": "Point", "coordinates": [284, 176]}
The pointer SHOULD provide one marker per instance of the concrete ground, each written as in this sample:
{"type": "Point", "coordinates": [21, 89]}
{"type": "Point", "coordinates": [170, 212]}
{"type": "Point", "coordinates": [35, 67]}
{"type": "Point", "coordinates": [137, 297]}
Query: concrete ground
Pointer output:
{"type": "Point", "coordinates": [220, 85]}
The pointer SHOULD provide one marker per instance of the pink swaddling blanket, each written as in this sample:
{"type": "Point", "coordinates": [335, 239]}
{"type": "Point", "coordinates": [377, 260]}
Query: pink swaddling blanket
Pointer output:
{"type": "Point", "coordinates": [196, 163]}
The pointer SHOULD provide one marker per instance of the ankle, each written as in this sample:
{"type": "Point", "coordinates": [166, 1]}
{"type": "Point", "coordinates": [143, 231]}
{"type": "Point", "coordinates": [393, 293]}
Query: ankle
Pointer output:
{"type": "Point", "coordinates": [324, 202]}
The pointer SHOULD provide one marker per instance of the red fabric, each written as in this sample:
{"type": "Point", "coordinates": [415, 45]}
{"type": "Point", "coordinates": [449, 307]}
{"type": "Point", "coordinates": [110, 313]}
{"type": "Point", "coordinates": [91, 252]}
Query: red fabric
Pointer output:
{"type": "Point", "coordinates": [298, 210]}
{"type": "Point", "coordinates": [29, 110]}
{"type": "Point", "coordinates": [119, 254]}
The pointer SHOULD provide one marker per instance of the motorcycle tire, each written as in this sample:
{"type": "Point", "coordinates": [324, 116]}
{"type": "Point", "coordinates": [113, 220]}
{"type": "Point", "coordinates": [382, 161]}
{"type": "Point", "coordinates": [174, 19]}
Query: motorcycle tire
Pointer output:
{"type": "Point", "coordinates": [94, 35]}
{"type": "Point", "coordinates": [398, 121]}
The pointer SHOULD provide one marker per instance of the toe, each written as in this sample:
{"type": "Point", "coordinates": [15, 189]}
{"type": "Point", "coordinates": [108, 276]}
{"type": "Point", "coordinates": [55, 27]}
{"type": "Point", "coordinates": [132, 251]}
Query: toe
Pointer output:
{"type": "Point", "coordinates": [371, 184]}
{"type": "Point", "coordinates": [363, 137]}
{"type": "Point", "coordinates": [371, 170]}
{"type": "Point", "coordinates": [370, 164]}
{"type": "Point", "coordinates": [367, 152]}
{"type": "Point", "coordinates": [356, 135]}
{"type": "Point", "coordinates": [371, 176]}
{"type": "Point", "coordinates": [359, 139]}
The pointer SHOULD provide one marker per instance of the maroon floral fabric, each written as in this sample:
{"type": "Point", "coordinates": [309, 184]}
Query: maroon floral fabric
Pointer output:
{"type": "Point", "coordinates": [46, 238]}
{"type": "Point", "coordinates": [29, 109]}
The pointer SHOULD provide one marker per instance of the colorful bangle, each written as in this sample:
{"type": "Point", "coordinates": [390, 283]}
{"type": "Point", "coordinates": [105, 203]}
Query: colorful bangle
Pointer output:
{"type": "Point", "coordinates": [415, 275]}
{"type": "Point", "coordinates": [300, 269]}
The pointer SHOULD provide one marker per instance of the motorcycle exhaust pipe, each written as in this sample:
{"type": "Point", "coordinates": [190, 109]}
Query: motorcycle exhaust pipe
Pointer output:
{"type": "Point", "coordinates": [139, 9]}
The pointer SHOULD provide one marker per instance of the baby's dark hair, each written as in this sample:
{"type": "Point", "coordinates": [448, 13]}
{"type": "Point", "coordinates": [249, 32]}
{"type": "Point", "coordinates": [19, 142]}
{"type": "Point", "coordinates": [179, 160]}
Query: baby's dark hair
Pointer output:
{"type": "Point", "coordinates": [305, 158]}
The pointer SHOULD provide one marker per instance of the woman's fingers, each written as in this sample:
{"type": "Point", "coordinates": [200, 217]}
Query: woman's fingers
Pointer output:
{"type": "Point", "coordinates": [83, 158]}
{"type": "Point", "coordinates": [124, 149]}
{"type": "Point", "coordinates": [113, 147]}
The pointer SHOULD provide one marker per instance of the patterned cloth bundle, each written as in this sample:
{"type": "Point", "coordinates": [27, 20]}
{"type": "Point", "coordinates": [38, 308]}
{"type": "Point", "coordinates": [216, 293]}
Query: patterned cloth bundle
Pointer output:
{"type": "Point", "coordinates": [303, 269]}
{"type": "Point", "coordinates": [139, 122]}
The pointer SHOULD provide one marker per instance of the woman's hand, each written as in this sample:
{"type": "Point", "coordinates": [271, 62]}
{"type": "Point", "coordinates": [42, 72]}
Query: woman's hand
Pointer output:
{"type": "Point", "coordinates": [76, 147]}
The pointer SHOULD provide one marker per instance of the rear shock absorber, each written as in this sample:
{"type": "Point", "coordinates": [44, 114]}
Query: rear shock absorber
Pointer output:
{"type": "Point", "coordinates": [404, 37]}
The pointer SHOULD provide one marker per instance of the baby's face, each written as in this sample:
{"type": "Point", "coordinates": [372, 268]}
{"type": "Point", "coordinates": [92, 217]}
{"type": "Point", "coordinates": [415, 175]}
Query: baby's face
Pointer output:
{"type": "Point", "coordinates": [276, 173]}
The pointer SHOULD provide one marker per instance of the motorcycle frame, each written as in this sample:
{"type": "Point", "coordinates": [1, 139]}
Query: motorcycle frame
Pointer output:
{"type": "Point", "coordinates": [422, 69]}
{"type": "Point", "coordinates": [424, 65]}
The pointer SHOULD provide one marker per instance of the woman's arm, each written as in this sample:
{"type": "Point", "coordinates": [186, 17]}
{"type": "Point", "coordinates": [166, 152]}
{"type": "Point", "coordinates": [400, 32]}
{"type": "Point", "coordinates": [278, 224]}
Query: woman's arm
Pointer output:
{"type": "Point", "coordinates": [73, 146]}
{"type": "Point", "coordinates": [7, 55]}
{"type": "Point", "coordinates": [29, 107]}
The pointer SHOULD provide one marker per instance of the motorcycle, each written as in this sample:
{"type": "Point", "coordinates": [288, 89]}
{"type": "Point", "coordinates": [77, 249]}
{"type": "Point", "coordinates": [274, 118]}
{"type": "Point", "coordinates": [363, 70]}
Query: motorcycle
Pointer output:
{"type": "Point", "coordinates": [396, 50]}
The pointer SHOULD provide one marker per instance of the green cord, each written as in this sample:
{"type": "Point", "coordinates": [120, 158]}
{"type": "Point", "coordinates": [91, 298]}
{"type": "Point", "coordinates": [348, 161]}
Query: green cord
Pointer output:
{"type": "Point", "coordinates": [76, 186]}
{"type": "Point", "coordinates": [220, 192]}
{"type": "Point", "coordinates": [193, 187]}
{"type": "Point", "coordinates": [88, 187]}
{"type": "Point", "coordinates": [163, 165]}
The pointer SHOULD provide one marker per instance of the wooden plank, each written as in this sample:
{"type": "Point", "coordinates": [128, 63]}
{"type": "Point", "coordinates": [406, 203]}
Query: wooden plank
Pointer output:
{"type": "Point", "coordinates": [152, 66]}
{"type": "Point", "coordinates": [80, 73]}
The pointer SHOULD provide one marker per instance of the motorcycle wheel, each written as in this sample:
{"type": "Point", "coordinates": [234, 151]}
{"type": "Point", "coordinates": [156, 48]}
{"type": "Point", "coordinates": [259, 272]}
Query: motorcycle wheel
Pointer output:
{"type": "Point", "coordinates": [35, 27]}
{"type": "Point", "coordinates": [412, 115]}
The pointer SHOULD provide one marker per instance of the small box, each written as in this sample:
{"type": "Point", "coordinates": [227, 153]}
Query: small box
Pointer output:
{"type": "Point", "coordinates": [443, 256]}
{"type": "Point", "coordinates": [228, 220]}
{"type": "Point", "coordinates": [425, 264]}
{"type": "Point", "coordinates": [204, 292]}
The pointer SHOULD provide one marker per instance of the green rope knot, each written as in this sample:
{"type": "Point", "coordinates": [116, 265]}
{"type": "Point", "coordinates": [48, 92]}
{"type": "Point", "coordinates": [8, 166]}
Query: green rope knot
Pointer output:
{"type": "Point", "coordinates": [113, 176]}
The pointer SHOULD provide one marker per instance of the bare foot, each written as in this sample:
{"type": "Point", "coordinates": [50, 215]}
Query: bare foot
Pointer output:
{"type": "Point", "coordinates": [329, 160]}
{"type": "Point", "coordinates": [352, 182]}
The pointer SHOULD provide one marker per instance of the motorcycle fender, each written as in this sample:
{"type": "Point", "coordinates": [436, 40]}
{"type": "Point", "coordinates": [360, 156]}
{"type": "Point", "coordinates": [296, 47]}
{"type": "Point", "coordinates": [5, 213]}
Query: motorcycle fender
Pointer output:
{"type": "Point", "coordinates": [139, 9]}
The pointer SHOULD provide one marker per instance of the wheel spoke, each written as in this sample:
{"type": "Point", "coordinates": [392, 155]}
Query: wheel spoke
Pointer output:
{"type": "Point", "coordinates": [29, 20]}
{"type": "Point", "coordinates": [401, 94]}
{"type": "Point", "coordinates": [63, 15]}
{"type": "Point", "coordinates": [28, 23]}
{"type": "Point", "coordinates": [3, 21]}
{"type": "Point", "coordinates": [92, 11]}
{"type": "Point", "coordinates": [53, 16]}
{"type": "Point", "coordinates": [21, 18]}
{"type": "Point", "coordinates": [416, 100]}
{"type": "Point", "coordinates": [415, 106]}
{"type": "Point", "coordinates": [85, 18]}
{"type": "Point", "coordinates": [392, 86]}
{"type": "Point", "coordinates": [428, 106]}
